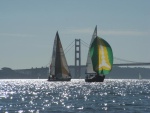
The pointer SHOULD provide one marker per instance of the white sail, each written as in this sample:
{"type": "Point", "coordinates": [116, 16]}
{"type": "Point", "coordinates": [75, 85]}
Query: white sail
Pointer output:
{"type": "Point", "coordinates": [64, 65]}
{"type": "Point", "coordinates": [140, 77]}
{"type": "Point", "coordinates": [89, 66]}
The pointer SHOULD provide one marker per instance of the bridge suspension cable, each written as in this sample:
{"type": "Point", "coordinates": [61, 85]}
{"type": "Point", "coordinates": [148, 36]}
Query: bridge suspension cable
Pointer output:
{"type": "Point", "coordinates": [120, 59]}
{"type": "Point", "coordinates": [84, 43]}
{"type": "Point", "coordinates": [69, 47]}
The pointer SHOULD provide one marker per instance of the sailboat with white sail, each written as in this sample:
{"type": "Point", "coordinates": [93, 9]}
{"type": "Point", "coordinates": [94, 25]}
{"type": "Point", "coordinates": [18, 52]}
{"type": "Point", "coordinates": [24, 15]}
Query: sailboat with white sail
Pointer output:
{"type": "Point", "coordinates": [140, 77]}
{"type": "Point", "coordinates": [59, 70]}
{"type": "Point", "coordinates": [99, 60]}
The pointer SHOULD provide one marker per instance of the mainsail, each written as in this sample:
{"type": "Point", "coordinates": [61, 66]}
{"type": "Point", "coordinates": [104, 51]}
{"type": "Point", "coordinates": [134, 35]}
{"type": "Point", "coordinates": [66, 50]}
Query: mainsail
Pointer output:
{"type": "Point", "coordinates": [59, 67]}
{"type": "Point", "coordinates": [89, 66]}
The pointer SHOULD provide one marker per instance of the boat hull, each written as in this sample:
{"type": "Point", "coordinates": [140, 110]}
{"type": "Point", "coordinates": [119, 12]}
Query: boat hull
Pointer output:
{"type": "Point", "coordinates": [95, 79]}
{"type": "Point", "coordinates": [66, 79]}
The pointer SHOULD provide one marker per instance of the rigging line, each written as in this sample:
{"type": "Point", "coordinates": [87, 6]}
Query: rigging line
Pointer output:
{"type": "Point", "coordinates": [69, 49]}
{"type": "Point", "coordinates": [47, 64]}
{"type": "Point", "coordinates": [125, 60]}
{"type": "Point", "coordinates": [68, 46]}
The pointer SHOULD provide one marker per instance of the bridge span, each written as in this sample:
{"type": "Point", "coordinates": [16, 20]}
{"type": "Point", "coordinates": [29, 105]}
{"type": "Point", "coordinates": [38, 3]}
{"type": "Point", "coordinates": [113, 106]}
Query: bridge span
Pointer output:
{"type": "Point", "coordinates": [133, 64]}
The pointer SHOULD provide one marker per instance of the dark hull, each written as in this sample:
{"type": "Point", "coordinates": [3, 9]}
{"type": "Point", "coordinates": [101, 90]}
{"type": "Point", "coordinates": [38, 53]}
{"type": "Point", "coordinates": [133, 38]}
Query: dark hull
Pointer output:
{"type": "Point", "coordinates": [95, 79]}
{"type": "Point", "coordinates": [66, 79]}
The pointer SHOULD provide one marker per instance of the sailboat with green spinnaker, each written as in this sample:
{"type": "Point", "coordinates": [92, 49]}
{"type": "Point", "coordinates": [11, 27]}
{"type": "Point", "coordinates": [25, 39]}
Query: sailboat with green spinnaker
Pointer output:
{"type": "Point", "coordinates": [99, 60]}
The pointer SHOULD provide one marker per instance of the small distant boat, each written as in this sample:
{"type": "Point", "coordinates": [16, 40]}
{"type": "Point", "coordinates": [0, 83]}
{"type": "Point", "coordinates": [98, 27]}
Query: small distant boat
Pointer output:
{"type": "Point", "coordinates": [140, 77]}
{"type": "Point", "coordinates": [59, 70]}
{"type": "Point", "coordinates": [99, 60]}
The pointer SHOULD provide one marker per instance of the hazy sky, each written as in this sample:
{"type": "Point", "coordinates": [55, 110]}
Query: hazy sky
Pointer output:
{"type": "Point", "coordinates": [28, 28]}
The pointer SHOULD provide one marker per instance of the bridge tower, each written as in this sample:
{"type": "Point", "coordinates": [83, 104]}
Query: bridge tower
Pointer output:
{"type": "Point", "coordinates": [77, 58]}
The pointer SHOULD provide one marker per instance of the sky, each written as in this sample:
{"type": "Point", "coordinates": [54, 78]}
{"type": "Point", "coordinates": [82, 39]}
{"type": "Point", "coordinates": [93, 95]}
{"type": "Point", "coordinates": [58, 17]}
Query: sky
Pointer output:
{"type": "Point", "coordinates": [28, 29]}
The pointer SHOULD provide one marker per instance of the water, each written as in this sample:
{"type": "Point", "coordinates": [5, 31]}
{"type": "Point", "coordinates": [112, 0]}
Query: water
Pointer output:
{"type": "Point", "coordinates": [77, 96]}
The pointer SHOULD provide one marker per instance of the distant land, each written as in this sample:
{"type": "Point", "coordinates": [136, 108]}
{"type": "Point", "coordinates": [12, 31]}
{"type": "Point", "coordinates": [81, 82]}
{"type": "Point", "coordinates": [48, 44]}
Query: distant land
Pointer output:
{"type": "Point", "coordinates": [43, 72]}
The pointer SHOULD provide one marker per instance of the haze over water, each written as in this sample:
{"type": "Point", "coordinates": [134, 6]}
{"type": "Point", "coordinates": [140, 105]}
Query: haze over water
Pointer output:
{"type": "Point", "coordinates": [40, 96]}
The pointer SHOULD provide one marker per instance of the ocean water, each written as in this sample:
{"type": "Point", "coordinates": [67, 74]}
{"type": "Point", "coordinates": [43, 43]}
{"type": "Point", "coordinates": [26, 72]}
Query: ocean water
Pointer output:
{"type": "Point", "coordinates": [77, 96]}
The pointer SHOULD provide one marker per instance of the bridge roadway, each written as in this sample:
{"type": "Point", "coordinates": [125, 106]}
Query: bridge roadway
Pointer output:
{"type": "Point", "coordinates": [133, 64]}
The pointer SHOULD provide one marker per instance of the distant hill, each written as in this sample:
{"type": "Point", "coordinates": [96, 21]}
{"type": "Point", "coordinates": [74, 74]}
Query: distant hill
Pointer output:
{"type": "Point", "coordinates": [42, 73]}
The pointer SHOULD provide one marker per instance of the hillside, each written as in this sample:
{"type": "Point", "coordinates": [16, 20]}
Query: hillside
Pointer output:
{"type": "Point", "coordinates": [42, 73]}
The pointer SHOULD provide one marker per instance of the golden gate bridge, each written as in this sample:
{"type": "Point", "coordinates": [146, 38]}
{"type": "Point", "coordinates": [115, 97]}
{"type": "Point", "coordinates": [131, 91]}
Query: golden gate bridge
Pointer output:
{"type": "Point", "coordinates": [77, 58]}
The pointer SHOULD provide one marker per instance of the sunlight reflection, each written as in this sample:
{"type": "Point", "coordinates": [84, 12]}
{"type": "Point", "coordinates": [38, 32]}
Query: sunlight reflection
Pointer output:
{"type": "Point", "coordinates": [40, 95]}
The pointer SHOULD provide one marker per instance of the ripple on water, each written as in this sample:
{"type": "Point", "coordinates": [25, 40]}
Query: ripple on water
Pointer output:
{"type": "Point", "coordinates": [76, 96]}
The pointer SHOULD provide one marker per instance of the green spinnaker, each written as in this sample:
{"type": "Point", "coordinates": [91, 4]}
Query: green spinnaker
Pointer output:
{"type": "Point", "coordinates": [101, 56]}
